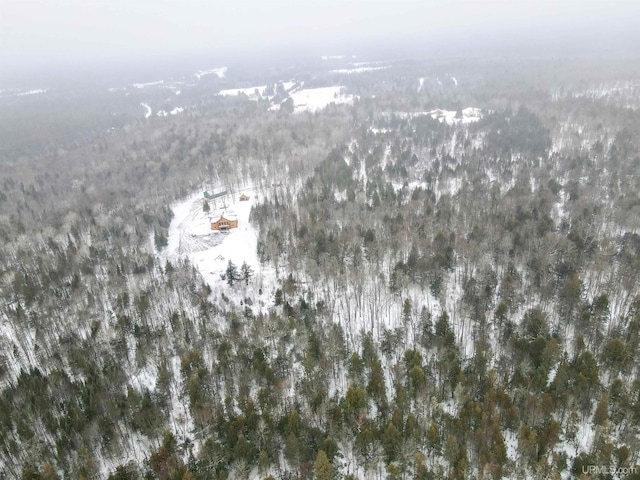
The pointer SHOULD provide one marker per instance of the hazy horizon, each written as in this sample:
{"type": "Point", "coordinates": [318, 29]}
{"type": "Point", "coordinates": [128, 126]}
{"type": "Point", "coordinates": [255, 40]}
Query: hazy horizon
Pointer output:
{"type": "Point", "coordinates": [44, 36]}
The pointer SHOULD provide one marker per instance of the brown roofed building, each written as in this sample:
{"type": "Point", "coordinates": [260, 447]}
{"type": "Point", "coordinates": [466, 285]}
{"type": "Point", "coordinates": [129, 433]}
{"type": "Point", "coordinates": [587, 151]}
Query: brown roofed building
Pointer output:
{"type": "Point", "coordinates": [224, 222]}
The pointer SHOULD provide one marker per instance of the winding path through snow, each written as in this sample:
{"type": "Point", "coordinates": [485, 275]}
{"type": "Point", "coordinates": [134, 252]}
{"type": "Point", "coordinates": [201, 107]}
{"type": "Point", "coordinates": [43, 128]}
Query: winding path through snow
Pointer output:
{"type": "Point", "coordinates": [149, 111]}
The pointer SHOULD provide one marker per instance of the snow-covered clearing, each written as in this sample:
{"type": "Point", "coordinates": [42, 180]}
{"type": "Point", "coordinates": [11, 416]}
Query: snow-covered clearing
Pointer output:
{"type": "Point", "coordinates": [252, 92]}
{"type": "Point", "coordinates": [349, 71]}
{"type": "Point", "coordinates": [288, 85]}
{"type": "Point", "coordinates": [148, 84]}
{"type": "Point", "coordinates": [468, 115]}
{"type": "Point", "coordinates": [31, 92]}
{"type": "Point", "coordinates": [175, 111]}
{"type": "Point", "coordinates": [314, 99]}
{"type": "Point", "coordinates": [190, 236]}
{"type": "Point", "coordinates": [257, 92]}
{"type": "Point", "coordinates": [332, 57]}
{"type": "Point", "coordinates": [220, 72]}
{"type": "Point", "coordinates": [16, 92]}
{"type": "Point", "coordinates": [362, 64]}
{"type": "Point", "coordinates": [451, 117]}
{"type": "Point", "coordinates": [421, 83]}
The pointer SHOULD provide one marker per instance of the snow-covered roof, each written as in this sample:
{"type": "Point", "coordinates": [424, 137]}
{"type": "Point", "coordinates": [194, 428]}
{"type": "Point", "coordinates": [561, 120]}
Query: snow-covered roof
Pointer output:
{"type": "Point", "coordinates": [227, 215]}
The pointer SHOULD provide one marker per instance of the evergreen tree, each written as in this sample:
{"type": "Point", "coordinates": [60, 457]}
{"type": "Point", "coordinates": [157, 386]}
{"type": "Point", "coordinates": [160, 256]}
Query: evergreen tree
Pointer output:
{"type": "Point", "coordinates": [279, 298]}
{"type": "Point", "coordinates": [433, 438]}
{"type": "Point", "coordinates": [391, 442]}
{"type": "Point", "coordinates": [322, 468]}
{"type": "Point", "coordinates": [376, 387]}
{"type": "Point", "coordinates": [160, 240]}
{"type": "Point", "coordinates": [231, 274]}
{"type": "Point", "coordinates": [601, 415]}
{"type": "Point", "coordinates": [246, 272]}
{"type": "Point", "coordinates": [406, 311]}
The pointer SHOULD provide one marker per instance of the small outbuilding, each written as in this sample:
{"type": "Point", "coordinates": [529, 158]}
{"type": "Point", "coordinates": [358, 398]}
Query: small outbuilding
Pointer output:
{"type": "Point", "coordinates": [244, 198]}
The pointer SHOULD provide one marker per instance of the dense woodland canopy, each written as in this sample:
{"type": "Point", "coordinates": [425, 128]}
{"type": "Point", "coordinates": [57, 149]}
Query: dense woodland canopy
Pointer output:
{"type": "Point", "coordinates": [453, 300]}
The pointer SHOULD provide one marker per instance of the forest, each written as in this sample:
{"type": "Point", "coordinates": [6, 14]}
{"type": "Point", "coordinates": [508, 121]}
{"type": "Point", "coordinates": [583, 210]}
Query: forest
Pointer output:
{"type": "Point", "coordinates": [454, 286]}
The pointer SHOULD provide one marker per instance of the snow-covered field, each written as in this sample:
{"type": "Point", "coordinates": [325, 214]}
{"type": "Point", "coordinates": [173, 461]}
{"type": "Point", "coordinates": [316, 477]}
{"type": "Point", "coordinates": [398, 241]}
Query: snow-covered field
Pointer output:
{"type": "Point", "coordinates": [190, 236]}
{"type": "Point", "coordinates": [259, 91]}
{"type": "Point", "coordinates": [451, 117]}
{"type": "Point", "coordinates": [160, 113]}
{"type": "Point", "coordinates": [15, 92]}
{"type": "Point", "coordinates": [220, 72]}
{"type": "Point", "coordinates": [314, 99]}
{"type": "Point", "coordinates": [357, 70]}
{"type": "Point", "coordinates": [249, 91]}
{"type": "Point", "coordinates": [31, 92]}
{"type": "Point", "coordinates": [469, 115]}
{"type": "Point", "coordinates": [376, 131]}
{"type": "Point", "coordinates": [175, 111]}
{"type": "Point", "coordinates": [289, 85]}
{"type": "Point", "coordinates": [362, 64]}
{"type": "Point", "coordinates": [148, 84]}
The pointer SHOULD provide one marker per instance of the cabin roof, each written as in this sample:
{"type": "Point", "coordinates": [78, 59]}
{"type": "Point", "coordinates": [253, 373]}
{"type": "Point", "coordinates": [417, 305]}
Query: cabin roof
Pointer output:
{"type": "Point", "coordinates": [226, 215]}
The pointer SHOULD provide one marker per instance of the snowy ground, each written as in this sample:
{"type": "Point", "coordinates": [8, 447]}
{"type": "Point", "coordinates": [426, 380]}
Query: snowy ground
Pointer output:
{"type": "Point", "coordinates": [304, 100]}
{"type": "Point", "coordinates": [220, 72]}
{"type": "Point", "coordinates": [314, 99]}
{"type": "Point", "coordinates": [175, 111]}
{"type": "Point", "coordinates": [250, 91]}
{"type": "Point", "coordinates": [289, 85]}
{"type": "Point", "coordinates": [362, 64]}
{"type": "Point", "coordinates": [190, 236]}
{"type": "Point", "coordinates": [257, 92]}
{"type": "Point", "coordinates": [148, 84]}
{"type": "Point", "coordinates": [357, 70]}
{"type": "Point", "coordinates": [148, 108]}
{"type": "Point", "coordinates": [376, 131]}
{"type": "Point", "coordinates": [451, 117]}
{"type": "Point", "coordinates": [19, 345]}
{"type": "Point", "coordinates": [31, 92]}
{"type": "Point", "coordinates": [15, 92]}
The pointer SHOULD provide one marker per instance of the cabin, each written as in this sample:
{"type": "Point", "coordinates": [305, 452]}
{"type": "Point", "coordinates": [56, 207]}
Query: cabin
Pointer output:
{"type": "Point", "coordinates": [244, 198]}
{"type": "Point", "coordinates": [224, 222]}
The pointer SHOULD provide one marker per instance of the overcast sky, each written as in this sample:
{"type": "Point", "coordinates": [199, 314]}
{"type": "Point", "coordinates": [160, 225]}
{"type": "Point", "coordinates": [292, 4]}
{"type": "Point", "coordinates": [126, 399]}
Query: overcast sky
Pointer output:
{"type": "Point", "coordinates": [39, 32]}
